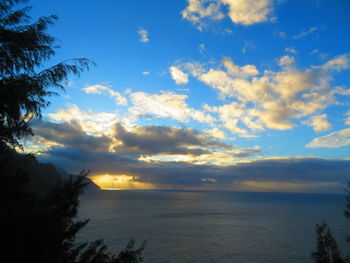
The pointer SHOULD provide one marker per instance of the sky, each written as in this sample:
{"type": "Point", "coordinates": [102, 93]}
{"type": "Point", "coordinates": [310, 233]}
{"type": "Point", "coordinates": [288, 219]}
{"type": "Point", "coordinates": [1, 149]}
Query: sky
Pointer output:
{"type": "Point", "coordinates": [246, 95]}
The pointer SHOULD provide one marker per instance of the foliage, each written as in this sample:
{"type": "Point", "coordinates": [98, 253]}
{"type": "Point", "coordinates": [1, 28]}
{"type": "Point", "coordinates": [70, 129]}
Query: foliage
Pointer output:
{"type": "Point", "coordinates": [347, 207]}
{"type": "Point", "coordinates": [24, 84]}
{"type": "Point", "coordinates": [327, 249]}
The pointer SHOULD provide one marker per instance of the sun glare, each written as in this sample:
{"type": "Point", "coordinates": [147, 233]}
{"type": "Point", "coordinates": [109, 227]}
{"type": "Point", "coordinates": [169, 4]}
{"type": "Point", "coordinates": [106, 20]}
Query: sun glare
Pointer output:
{"type": "Point", "coordinates": [119, 182]}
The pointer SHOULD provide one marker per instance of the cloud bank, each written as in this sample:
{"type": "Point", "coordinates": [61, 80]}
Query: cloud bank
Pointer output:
{"type": "Point", "coordinates": [122, 157]}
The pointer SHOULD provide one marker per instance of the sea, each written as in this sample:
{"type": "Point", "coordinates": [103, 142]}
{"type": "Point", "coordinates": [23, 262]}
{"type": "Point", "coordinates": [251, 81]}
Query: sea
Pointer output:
{"type": "Point", "coordinates": [209, 226]}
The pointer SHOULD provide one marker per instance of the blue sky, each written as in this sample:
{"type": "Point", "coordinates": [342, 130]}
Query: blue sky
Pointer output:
{"type": "Point", "coordinates": [218, 87]}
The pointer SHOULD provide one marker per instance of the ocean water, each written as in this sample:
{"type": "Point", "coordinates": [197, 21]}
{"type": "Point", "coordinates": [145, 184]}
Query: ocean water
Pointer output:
{"type": "Point", "coordinates": [190, 226]}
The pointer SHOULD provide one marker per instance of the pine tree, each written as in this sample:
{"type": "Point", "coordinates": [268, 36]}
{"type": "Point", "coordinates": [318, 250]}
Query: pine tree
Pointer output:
{"type": "Point", "coordinates": [327, 249]}
{"type": "Point", "coordinates": [24, 84]}
{"type": "Point", "coordinates": [347, 207]}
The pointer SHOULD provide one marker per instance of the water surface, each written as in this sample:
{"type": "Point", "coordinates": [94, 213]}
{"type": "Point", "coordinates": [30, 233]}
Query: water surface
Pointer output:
{"type": "Point", "coordinates": [189, 226]}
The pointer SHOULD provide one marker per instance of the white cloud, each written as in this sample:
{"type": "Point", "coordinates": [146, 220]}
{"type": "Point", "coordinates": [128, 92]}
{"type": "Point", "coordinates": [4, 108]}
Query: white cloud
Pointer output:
{"type": "Point", "coordinates": [165, 105]}
{"type": "Point", "coordinates": [248, 45]}
{"type": "Point", "coordinates": [271, 99]}
{"type": "Point", "coordinates": [338, 63]}
{"type": "Point", "coordinates": [282, 35]}
{"type": "Point", "coordinates": [235, 70]}
{"type": "Point", "coordinates": [216, 133]}
{"type": "Point", "coordinates": [202, 48]}
{"type": "Point", "coordinates": [99, 89]}
{"type": "Point", "coordinates": [347, 119]}
{"type": "Point", "coordinates": [245, 12]}
{"type": "Point", "coordinates": [91, 122]}
{"type": "Point", "coordinates": [319, 123]}
{"type": "Point", "coordinates": [194, 68]}
{"type": "Point", "coordinates": [143, 35]}
{"type": "Point", "coordinates": [231, 115]}
{"type": "Point", "coordinates": [248, 12]}
{"type": "Point", "coordinates": [286, 61]}
{"type": "Point", "coordinates": [198, 11]}
{"type": "Point", "coordinates": [334, 140]}
{"type": "Point", "coordinates": [228, 31]}
{"type": "Point", "coordinates": [291, 50]}
{"type": "Point", "coordinates": [178, 75]}
{"type": "Point", "coordinates": [305, 33]}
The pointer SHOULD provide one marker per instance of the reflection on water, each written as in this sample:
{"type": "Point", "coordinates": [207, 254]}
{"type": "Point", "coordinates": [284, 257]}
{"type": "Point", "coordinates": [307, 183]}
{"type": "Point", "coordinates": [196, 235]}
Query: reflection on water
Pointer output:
{"type": "Point", "coordinates": [185, 226]}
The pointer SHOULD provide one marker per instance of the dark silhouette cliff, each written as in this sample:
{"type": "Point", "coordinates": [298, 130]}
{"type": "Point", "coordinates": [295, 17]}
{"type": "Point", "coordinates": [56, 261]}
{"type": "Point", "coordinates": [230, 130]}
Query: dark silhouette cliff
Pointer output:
{"type": "Point", "coordinates": [41, 177]}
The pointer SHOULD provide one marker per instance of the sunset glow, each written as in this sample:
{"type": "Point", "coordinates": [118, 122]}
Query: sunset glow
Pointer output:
{"type": "Point", "coordinates": [119, 182]}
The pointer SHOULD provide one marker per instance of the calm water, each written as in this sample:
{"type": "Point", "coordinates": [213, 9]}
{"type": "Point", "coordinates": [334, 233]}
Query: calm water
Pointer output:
{"type": "Point", "coordinates": [183, 226]}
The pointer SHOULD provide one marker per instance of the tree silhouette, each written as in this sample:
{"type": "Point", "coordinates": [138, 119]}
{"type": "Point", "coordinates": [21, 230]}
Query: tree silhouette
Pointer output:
{"type": "Point", "coordinates": [347, 207]}
{"type": "Point", "coordinates": [327, 249]}
{"type": "Point", "coordinates": [24, 84]}
{"type": "Point", "coordinates": [40, 229]}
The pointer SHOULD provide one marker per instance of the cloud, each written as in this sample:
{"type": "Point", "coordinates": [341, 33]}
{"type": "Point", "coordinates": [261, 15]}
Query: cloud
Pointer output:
{"type": "Point", "coordinates": [140, 157]}
{"type": "Point", "coordinates": [218, 158]}
{"type": "Point", "coordinates": [143, 35]}
{"type": "Point", "coordinates": [338, 63]}
{"type": "Point", "coordinates": [99, 89]}
{"type": "Point", "coordinates": [235, 70]}
{"type": "Point", "coordinates": [165, 105]}
{"type": "Point", "coordinates": [245, 12]}
{"type": "Point", "coordinates": [291, 50]}
{"type": "Point", "coordinates": [286, 61]}
{"type": "Point", "coordinates": [289, 174]}
{"type": "Point", "coordinates": [248, 45]}
{"type": "Point", "coordinates": [146, 106]}
{"type": "Point", "coordinates": [231, 115]}
{"type": "Point", "coordinates": [149, 143]}
{"type": "Point", "coordinates": [249, 12]}
{"type": "Point", "coordinates": [151, 140]}
{"type": "Point", "coordinates": [90, 122]}
{"type": "Point", "coordinates": [216, 133]}
{"type": "Point", "coordinates": [69, 134]}
{"type": "Point", "coordinates": [178, 75]}
{"type": "Point", "coordinates": [319, 123]}
{"type": "Point", "coordinates": [202, 48]}
{"type": "Point", "coordinates": [282, 35]}
{"type": "Point", "coordinates": [228, 31]}
{"type": "Point", "coordinates": [199, 11]}
{"type": "Point", "coordinates": [305, 33]}
{"type": "Point", "coordinates": [347, 119]}
{"type": "Point", "coordinates": [270, 99]}
{"type": "Point", "coordinates": [333, 140]}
